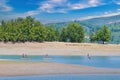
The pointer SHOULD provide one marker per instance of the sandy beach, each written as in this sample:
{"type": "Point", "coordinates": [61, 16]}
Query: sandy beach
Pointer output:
{"type": "Point", "coordinates": [8, 68]}
{"type": "Point", "coordinates": [59, 48]}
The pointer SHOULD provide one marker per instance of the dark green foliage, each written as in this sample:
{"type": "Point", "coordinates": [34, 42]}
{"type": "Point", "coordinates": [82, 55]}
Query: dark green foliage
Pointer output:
{"type": "Point", "coordinates": [73, 33]}
{"type": "Point", "coordinates": [52, 34]}
{"type": "Point", "coordinates": [26, 29]}
{"type": "Point", "coordinates": [103, 34]}
{"type": "Point", "coordinates": [29, 29]}
{"type": "Point", "coordinates": [64, 34]}
{"type": "Point", "coordinates": [93, 37]}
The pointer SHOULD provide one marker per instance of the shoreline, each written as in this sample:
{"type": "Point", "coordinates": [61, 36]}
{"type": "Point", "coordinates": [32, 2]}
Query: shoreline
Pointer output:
{"type": "Point", "coordinates": [61, 55]}
{"type": "Point", "coordinates": [10, 68]}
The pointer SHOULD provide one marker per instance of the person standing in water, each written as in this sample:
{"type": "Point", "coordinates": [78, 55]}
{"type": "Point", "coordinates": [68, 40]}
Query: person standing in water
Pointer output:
{"type": "Point", "coordinates": [88, 56]}
{"type": "Point", "coordinates": [23, 55]}
{"type": "Point", "coordinates": [26, 56]}
{"type": "Point", "coordinates": [46, 56]}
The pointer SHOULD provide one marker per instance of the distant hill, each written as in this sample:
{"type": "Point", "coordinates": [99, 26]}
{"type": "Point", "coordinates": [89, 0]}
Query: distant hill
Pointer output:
{"type": "Point", "coordinates": [91, 25]}
{"type": "Point", "coordinates": [103, 20]}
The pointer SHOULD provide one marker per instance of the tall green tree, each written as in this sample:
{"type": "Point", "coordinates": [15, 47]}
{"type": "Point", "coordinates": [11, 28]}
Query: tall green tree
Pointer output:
{"type": "Point", "coordinates": [74, 32]}
{"type": "Point", "coordinates": [64, 34]}
{"type": "Point", "coordinates": [103, 34]}
{"type": "Point", "coordinates": [51, 33]}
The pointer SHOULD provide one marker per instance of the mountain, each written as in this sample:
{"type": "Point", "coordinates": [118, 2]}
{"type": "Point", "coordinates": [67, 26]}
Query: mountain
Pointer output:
{"type": "Point", "coordinates": [103, 20]}
{"type": "Point", "coordinates": [112, 22]}
{"type": "Point", "coordinates": [91, 25]}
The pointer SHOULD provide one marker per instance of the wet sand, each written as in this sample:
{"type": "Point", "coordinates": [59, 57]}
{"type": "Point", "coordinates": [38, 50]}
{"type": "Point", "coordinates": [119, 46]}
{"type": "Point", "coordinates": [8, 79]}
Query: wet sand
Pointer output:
{"type": "Point", "coordinates": [8, 68]}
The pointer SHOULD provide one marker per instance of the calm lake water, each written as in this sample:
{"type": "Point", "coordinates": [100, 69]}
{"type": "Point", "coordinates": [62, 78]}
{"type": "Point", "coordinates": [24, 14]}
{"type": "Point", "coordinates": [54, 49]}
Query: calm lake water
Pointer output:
{"type": "Point", "coordinates": [66, 77]}
{"type": "Point", "coordinates": [97, 61]}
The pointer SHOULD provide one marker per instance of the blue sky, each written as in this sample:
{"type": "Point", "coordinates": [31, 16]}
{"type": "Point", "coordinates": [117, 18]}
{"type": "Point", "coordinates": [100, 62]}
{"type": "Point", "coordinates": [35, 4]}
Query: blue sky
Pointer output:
{"type": "Point", "coordinates": [49, 11]}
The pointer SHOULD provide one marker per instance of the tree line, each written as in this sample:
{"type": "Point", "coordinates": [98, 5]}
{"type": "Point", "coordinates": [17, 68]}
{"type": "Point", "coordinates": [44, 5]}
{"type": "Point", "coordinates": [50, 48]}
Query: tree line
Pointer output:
{"type": "Point", "coordinates": [29, 29]}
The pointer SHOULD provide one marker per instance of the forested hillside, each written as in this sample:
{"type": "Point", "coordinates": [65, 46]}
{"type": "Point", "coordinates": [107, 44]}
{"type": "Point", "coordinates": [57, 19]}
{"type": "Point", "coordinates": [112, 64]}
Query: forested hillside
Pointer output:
{"type": "Point", "coordinates": [94, 24]}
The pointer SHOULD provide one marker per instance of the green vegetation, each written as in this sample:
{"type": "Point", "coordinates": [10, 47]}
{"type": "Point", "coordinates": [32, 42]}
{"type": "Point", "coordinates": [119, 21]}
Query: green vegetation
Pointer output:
{"type": "Point", "coordinates": [91, 25]}
{"type": "Point", "coordinates": [93, 37]}
{"type": "Point", "coordinates": [29, 29]}
{"type": "Point", "coordinates": [73, 33]}
{"type": "Point", "coordinates": [26, 29]}
{"type": "Point", "coordinates": [103, 34]}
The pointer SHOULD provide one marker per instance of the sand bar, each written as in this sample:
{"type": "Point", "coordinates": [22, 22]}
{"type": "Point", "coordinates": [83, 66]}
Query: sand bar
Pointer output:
{"type": "Point", "coordinates": [8, 68]}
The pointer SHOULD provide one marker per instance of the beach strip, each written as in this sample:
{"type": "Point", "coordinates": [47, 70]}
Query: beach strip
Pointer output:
{"type": "Point", "coordinates": [9, 68]}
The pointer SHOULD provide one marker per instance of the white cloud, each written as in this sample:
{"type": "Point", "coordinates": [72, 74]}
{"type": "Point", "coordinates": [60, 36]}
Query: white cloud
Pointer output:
{"type": "Point", "coordinates": [94, 2]}
{"type": "Point", "coordinates": [103, 15]}
{"type": "Point", "coordinates": [112, 14]}
{"type": "Point", "coordinates": [53, 6]}
{"type": "Point", "coordinates": [77, 6]}
{"type": "Point", "coordinates": [30, 13]}
{"type": "Point", "coordinates": [106, 12]}
{"type": "Point", "coordinates": [90, 3]}
{"type": "Point", "coordinates": [118, 9]}
{"type": "Point", "coordinates": [4, 7]}
{"type": "Point", "coordinates": [86, 18]}
{"type": "Point", "coordinates": [116, 2]}
{"type": "Point", "coordinates": [63, 6]}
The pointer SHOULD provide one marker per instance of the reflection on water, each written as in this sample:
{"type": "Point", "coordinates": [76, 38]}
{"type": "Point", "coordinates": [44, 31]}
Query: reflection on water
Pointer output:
{"type": "Point", "coordinates": [97, 61]}
{"type": "Point", "coordinates": [65, 77]}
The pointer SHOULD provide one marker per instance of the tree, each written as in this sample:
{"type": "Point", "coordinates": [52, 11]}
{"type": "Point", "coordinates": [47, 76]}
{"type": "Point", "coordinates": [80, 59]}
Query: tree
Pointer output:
{"type": "Point", "coordinates": [64, 34]}
{"type": "Point", "coordinates": [74, 32]}
{"type": "Point", "coordinates": [93, 37]}
{"type": "Point", "coordinates": [3, 25]}
{"type": "Point", "coordinates": [103, 34]}
{"type": "Point", "coordinates": [51, 33]}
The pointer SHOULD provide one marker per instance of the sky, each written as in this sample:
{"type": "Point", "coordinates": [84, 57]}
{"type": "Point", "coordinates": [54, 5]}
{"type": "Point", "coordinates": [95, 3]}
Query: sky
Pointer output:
{"type": "Point", "coordinates": [52, 11]}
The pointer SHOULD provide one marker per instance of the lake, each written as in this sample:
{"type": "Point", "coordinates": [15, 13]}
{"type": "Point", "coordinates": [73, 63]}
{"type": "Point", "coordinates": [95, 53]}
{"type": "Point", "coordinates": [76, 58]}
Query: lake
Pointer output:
{"type": "Point", "coordinates": [96, 61]}
{"type": "Point", "coordinates": [66, 77]}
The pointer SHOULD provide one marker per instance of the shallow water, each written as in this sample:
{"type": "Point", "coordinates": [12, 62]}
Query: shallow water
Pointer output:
{"type": "Point", "coordinates": [65, 77]}
{"type": "Point", "coordinates": [97, 61]}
